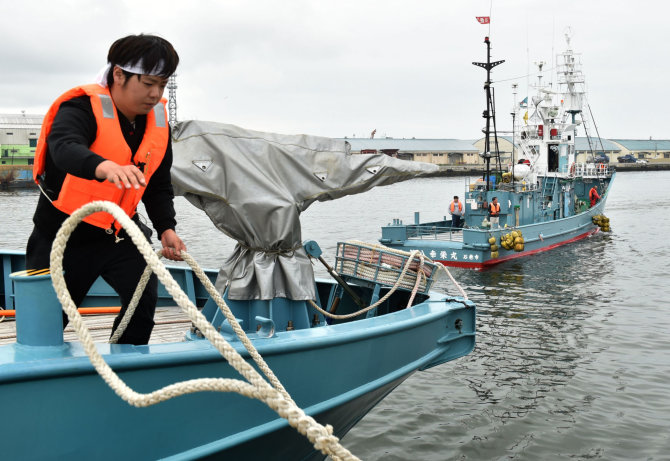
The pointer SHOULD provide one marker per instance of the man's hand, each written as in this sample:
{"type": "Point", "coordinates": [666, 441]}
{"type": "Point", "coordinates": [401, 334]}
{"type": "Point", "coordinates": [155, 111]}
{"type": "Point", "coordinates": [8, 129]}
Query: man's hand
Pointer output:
{"type": "Point", "coordinates": [172, 245]}
{"type": "Point", "coordinates": [122, 176]}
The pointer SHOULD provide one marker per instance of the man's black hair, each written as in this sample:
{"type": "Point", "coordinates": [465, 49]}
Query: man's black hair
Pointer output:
{"type": "Point", "coordinates": [151, 49]}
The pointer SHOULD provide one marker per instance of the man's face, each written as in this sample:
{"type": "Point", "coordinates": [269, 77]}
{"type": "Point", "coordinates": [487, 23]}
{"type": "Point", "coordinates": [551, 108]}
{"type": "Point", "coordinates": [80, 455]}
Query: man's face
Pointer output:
{"type": "Point", "coordinates": [137, 95]}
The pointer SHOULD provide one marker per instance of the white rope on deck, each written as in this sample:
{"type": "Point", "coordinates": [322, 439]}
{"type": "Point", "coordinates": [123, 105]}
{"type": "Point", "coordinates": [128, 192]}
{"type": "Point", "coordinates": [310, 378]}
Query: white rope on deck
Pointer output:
{"type": "Point", "coordinates": [405, 253]}
{"type": "Point", "coordinates": [256, 386]}
{"type": "Point", "coordinates": [400, 279]}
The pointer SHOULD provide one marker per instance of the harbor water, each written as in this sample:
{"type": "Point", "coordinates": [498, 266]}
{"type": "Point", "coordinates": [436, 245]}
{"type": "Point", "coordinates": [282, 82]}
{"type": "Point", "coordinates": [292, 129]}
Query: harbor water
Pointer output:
{"type": "Point", "coordinates": [573, 345]}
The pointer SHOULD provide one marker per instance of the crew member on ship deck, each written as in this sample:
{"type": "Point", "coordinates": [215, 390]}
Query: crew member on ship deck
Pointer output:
{"type": "Point", "coordinates": [494, 213]}
{"type": "Point", "coordinates": [110, 140]}
{"type": "Point", "coordinates": [456, 211]}
{"type": "Point", "coordinates": [594, 196]}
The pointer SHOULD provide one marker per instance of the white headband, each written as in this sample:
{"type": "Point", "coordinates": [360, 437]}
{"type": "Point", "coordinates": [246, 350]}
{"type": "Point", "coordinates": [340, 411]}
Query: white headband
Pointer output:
{"type": "Point", "coordinates": [101, 78]}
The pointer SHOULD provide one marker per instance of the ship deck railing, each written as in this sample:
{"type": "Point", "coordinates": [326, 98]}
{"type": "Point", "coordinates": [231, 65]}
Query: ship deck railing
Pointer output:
{"type": "Point", "coordinates": [419, 232]}
{"type": "Point", "coordinates": [592, 170]}
{"type": "Point", "coordinates": [580, 170]}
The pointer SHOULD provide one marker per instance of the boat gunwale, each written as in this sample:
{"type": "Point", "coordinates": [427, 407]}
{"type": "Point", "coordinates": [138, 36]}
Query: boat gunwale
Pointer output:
{"type": "Point", "coordinates": [71, 359]}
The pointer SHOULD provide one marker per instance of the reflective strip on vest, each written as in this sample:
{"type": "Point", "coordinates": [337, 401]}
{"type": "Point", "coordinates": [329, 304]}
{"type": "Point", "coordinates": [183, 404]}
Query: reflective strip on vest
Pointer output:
{"type": "Point", "coordinates": [107, 106]}
{"type": "Point", "coordinates": [159, 112]}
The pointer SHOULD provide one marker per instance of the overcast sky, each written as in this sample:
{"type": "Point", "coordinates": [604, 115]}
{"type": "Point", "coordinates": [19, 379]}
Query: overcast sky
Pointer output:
{"type": "Point", "coordinates": [343, 68]}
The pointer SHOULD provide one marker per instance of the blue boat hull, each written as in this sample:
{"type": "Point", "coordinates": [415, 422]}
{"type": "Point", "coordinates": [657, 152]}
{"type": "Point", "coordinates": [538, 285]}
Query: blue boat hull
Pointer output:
{"type": "Point", "coordinates": [287, 444]}
{"type": "Point", "coordinates": [62, 409]}
{"type": "Point", "coordinates": [469, 247]}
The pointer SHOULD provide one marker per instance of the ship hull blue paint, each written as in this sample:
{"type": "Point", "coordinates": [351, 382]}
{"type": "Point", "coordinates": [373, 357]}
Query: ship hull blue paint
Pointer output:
{"type": "Point", "coordinates": [62, 409]}
{"type": "Point", "coordinates": [474, 252]}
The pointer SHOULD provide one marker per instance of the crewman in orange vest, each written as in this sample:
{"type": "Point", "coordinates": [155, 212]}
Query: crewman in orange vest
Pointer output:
{"type": "Point", "coordinates": [456, 212]}
{"type": "Point", "coordinates": [494, 213]}
{"type": "Point", "coordinates": [594, 196]}
{"type": "Point", "coordinates": [110, 141]}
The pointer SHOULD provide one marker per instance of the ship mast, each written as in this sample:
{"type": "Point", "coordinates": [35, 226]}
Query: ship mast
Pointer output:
{"type": "Point", "coordinates": [489, 113]}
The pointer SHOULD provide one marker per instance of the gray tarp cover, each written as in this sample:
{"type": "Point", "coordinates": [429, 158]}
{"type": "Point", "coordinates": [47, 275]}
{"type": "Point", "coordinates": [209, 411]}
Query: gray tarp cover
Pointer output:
{"type": "Point", "coordinates": [254, 185]}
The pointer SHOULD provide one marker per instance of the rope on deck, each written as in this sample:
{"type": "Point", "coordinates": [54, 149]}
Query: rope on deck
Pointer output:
{"type": "Point", "coordinates": [273, 395]}
{"type": "Point", "coordinates": [399, 280]}
{"type": "Point", "coordinates": [405, 253]}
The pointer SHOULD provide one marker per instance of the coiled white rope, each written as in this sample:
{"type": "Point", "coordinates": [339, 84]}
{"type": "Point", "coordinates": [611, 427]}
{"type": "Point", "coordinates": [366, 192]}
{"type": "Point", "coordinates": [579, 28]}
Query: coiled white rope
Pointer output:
{"type": "Point", "coordinates": [399, 280]}
{"type": "Point", "coordinates": [405, 253]}
{"type": "Point", "coordinates": [256, 387]}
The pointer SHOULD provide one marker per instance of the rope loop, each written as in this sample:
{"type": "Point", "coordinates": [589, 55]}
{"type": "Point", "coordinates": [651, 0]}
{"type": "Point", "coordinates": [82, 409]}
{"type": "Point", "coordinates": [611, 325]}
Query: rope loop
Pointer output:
{"type": "Point", "coordinates": [271, 393]}
{"type": "Point", "coordinates": [411, 255]}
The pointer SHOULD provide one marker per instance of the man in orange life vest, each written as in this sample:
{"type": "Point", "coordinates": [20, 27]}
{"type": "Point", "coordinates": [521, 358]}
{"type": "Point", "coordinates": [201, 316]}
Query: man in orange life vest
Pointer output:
{"type": "Point", "coordinates": [110, 141]}
{"type": "Point", "coordinates": [494, 213]}
{"type": "Point", "coordinates": [456, 211]}
{"type": "Point", "coordinates": [594, 196]}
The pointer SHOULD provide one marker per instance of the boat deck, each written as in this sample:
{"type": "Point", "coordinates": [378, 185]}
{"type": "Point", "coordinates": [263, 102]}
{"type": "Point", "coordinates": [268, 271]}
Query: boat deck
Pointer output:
{"type": "Point", "coordinates": [171, 325]}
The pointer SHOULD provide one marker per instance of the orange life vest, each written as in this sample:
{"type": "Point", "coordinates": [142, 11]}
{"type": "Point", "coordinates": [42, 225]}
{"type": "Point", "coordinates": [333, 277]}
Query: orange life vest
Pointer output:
{"type": "Point", "coordinates": [494, 208]}
{"type": "Point", "coordinates": [110, 144]}
{"type": "Point", "coordinates": [593, 194]}
{"type": "Point", "coordinates": [460, 206]}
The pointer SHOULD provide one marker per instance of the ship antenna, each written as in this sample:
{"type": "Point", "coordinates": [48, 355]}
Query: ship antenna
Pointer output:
{"type": "Point", "coordinates": [489, 113]}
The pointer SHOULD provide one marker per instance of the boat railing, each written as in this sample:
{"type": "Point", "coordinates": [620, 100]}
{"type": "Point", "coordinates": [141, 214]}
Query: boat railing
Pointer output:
{"type": "Point", "coordinates": [590, 169]}
{"type": "Point", "coordinates": [378, 265]}
{"type": "Point", "coordinates": [431, 232]}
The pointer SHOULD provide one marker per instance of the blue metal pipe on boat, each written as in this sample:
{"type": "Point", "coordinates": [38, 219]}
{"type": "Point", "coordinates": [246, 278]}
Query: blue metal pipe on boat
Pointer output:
{"type": "Point", "coordinates": [39, 317]}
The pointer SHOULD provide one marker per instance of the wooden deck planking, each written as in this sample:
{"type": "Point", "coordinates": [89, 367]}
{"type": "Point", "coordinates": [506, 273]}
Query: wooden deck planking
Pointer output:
{"type": "Point", "coordinates": [171, 325]}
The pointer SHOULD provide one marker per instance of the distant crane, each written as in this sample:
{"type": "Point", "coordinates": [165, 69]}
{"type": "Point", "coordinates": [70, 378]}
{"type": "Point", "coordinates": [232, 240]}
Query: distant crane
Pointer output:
{"type": "Point", "coordinates": [172, 100]}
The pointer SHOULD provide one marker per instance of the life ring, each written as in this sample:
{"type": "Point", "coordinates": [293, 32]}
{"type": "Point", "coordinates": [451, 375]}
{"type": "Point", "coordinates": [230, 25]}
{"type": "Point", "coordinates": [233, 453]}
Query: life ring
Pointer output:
{"type": "Point", "coordinates": [572, 169]}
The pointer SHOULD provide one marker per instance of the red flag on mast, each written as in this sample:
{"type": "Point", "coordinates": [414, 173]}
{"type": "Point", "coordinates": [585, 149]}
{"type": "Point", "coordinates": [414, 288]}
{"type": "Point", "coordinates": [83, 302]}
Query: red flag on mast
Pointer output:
{"type": "Point", "coordinates": [483, 19]}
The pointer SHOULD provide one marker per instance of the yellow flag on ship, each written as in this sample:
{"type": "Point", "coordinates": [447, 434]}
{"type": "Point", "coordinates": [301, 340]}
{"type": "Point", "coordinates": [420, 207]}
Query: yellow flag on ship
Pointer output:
{"type": "Point", "coordinates": [525, 117]}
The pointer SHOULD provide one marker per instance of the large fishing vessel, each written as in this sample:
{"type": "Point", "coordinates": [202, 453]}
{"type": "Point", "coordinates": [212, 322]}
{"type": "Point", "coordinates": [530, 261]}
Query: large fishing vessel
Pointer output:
{"type": "Point", "coordinates": [544, 197]}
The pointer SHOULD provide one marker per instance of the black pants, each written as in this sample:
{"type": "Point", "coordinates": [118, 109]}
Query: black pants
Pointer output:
{"type": "Point", "coordinates": [120, 264]}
